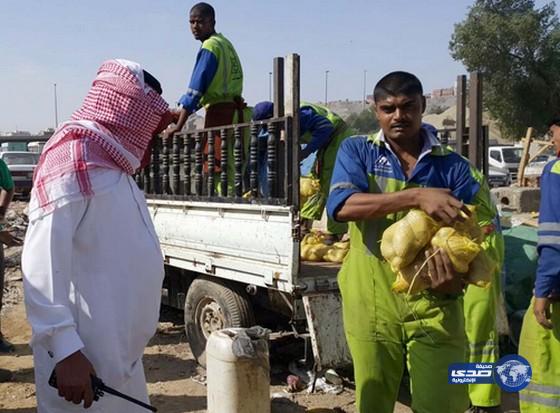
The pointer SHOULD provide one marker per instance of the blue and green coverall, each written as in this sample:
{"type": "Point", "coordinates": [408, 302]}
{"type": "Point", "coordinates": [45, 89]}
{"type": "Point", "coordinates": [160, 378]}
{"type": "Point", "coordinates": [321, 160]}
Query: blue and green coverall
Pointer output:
{"type": "Point", "coordinates": [385, 330]}
{"type": "Point", "coordinates": [481, 304]}
{"type": "Point", "coordinates": [321, 131]}
{"type": "Point", "coordinates": [217, 78]}
{"type": "Point", "coordinates": [541, 346]}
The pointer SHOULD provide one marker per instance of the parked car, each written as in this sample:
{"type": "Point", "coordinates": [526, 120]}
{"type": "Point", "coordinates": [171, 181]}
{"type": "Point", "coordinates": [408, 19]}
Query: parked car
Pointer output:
{"type": "Point", "coordinates": [536, 166]}
{"type": "Point", "coordinates": [498, 176]}
{"type": "Point", "coordinates": [21, 166]}
{"type": "Point", "coordinates": [505, 157]}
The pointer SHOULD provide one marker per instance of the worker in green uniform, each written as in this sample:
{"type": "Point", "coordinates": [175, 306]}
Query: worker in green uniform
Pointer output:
{"type": "Point", "coordinates": [321, 131]}
{"type": "Point", "coordinates": [540, 334]}
{"type": "Point", "coordinates": [6, 195]}
{"type": "Point", "coordinates": [216, 84]}
{"type": "Point", "coordinates": [481, 308]}
{"type": "Point", "coordinates": [377, 179]}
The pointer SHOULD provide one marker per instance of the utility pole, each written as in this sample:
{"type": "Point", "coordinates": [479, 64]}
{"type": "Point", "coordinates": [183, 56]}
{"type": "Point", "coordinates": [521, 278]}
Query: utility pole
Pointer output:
{"type": "Point", "coordinates": [326, 85]}
{"type": "Point", "coordinates": [364, 94]}
{"type": "Point", "coordinates": [55, 108]}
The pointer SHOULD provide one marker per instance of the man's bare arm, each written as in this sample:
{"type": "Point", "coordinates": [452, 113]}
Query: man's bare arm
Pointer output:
{"type": "Point", "coordinates": [5, 199]}
{"type": "Point", "coordinates": [439, 203]}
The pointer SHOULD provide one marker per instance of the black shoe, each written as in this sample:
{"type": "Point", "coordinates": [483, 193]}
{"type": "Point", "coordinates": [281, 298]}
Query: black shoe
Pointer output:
{"type": "Point", "coordinates": [6, 346]}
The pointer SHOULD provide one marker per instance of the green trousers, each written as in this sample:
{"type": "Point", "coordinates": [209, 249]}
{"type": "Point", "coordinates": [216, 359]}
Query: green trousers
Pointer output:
{"type": "Point", "coordinates": [480, 305]}
{"type": "Point", "coordinates": [384, 331]}
{"type": "Point", "coordinates": [541, 347]}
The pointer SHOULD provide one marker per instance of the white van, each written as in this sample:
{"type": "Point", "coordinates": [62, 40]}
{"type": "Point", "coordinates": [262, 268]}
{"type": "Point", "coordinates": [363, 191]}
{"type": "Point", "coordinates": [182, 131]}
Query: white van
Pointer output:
{"type": "Point", "coordinates": [507, 156]}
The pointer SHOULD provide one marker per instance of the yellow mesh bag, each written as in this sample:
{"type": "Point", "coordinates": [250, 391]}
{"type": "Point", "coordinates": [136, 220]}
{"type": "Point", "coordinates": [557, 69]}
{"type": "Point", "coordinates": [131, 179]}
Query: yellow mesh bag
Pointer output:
{"type": "Point", "coordinates": [402, 241]}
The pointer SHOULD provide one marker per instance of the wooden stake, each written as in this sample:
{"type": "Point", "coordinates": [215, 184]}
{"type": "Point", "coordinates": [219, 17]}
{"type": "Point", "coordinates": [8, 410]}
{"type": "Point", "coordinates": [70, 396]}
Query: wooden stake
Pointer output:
{"type": "Point", "coordinates": [524, 157]}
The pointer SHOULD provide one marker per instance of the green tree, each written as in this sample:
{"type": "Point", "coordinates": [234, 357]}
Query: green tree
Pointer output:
{"type": "Point", "coordinates": [517, 49]}
{"type": "Point", "coordinates": [364, 122]}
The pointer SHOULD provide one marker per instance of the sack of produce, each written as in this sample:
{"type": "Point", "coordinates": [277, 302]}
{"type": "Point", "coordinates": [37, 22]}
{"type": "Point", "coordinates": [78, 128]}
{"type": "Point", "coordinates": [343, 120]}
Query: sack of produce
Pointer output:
{"type": "Point", "coordinates": [402, 241]}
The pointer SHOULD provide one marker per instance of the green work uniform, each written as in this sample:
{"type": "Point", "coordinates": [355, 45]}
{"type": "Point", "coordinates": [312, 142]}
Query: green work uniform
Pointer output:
{"type": "Point", "coordinates": [539, 345]}
{"type": "Point", "coordinates": [313, 207]}
{"type": "Point", "coordinates": [385, 330]}
{"type": "Point", "coordinates": [227, 83]}
{"type": "Point", "coordinates": [226, 87]}
{"type": "Point", "coordinates": [480, 304]}
{"type": "Point", "coordinates": [541, 348]}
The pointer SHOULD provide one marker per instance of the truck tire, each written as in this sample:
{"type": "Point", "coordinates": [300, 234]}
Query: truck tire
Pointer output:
{"type": "Point", "coordinates": [213, 304]}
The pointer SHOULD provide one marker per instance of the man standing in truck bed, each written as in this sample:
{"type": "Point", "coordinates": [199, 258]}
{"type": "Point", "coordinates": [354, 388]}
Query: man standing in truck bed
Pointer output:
{"type": "Point", "coordinates": [217, 79]}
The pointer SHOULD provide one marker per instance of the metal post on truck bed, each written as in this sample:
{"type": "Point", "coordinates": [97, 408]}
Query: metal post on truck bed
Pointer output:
{"type": "Point", "coordinates": [461, 115]}
{"type": "Point", "coordinates": [292, 111]}
{"type": "Point", "coordinates": [476, 141]}
{"type": "Point", "coordinates": [277, 148]}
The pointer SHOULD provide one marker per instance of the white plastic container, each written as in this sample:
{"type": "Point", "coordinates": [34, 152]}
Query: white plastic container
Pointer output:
{"type": "Point", "coordinates": [237, 384]}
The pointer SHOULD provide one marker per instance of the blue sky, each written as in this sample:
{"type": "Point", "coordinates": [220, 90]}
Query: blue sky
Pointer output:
{"type": "Point", "coordinates": [64, 41]}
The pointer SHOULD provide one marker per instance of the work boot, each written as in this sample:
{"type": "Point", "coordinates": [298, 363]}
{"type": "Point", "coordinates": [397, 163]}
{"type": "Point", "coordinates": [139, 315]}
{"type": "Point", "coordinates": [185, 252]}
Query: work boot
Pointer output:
{"type": "Point", "coordinates": [479, 409]}
{"type": "Point", "coordinates": [5, 345]}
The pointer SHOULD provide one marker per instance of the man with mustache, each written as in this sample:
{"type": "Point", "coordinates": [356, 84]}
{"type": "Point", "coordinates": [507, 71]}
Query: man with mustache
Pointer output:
{"type": "Point", "coordinates": [377, 179]}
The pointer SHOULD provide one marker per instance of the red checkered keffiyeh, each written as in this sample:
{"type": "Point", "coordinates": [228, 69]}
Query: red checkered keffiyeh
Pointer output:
{"type": "Point", "coordinates": [111, 130]}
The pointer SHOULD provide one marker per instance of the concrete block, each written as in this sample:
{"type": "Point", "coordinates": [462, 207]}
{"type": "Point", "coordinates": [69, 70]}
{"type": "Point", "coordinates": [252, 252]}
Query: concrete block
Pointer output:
{"type": "Point", "coordinates": [518, 199]}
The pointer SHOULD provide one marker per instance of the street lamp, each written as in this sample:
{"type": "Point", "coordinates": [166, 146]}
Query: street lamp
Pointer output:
{"type": "Point", "coordinates": [326, 85]}
{"type": "Point", "coordinates": [270, 86]}
{"type": "Point", "coordinates": [55, 108]}
{"type": "Point", "coordinates": [364, 91]}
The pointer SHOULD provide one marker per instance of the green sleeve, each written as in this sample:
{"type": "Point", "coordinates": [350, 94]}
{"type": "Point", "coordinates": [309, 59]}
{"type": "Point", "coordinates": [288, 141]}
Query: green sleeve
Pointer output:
{"type": "Point", "coordinates": [487, 214]}
{"type": "Point", "coordinates": [6, 181]}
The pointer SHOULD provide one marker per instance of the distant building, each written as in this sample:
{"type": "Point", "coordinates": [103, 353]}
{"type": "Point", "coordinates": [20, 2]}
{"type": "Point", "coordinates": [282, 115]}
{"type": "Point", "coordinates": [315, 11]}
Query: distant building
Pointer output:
{"type": "Point", "coordinates": [25, 136]}
{"type": "Point", "coordinates": [437, 93]}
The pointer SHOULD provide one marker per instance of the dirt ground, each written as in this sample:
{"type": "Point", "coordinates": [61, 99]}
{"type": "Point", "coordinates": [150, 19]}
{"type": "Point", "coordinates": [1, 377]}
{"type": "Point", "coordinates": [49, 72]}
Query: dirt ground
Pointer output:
{"type": "Point", "coordinates": [172, 373]}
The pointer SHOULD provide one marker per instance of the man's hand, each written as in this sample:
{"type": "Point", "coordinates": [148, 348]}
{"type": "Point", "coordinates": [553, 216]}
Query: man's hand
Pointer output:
{"type": "Point", "coordinates": [180, 118]}
{"type": "Point", "coordinates": [541, 309]}
{"type": "Point", "coordinates": [440, 204]}
{"type": "Point", "coordinates": [73, 379]}
{"type": "Point", "coordinates": [166, 119]}
{"type": "Point", "coordinates": [444, 278]}
{"type": "Point", "coordinates": [170, 131]}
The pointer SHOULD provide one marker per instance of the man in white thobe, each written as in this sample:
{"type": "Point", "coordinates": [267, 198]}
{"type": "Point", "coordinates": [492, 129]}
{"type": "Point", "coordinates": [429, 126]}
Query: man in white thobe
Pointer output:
{"type": "Point", "coordinates": [92, 263]}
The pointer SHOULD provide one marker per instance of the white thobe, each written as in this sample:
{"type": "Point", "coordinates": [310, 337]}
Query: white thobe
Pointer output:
{"type": "Point", "coordinates": [93, 271]}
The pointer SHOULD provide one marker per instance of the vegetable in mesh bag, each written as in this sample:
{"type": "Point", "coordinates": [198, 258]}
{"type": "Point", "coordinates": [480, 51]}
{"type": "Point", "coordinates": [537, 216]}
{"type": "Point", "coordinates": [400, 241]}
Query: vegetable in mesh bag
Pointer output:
{"type": "Point", "coordinates": [414, 277]}
{"type": "Point", "coordinates": [459, 248]}
{"type": "Point", "coordinates": [402, 241]}
{"type": "Point", "coordinates": [308, 187]}
{"type": "Point", "coordinates": [337, 252]}
{"type": "Point", "coordinates": [481, 270]}
{"type": "Point", "coordinates": [469, 226]}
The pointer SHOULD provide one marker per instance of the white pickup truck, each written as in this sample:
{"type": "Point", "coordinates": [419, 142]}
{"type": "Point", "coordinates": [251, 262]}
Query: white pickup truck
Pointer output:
{"type": "Point", "coordinates": [232, 259]}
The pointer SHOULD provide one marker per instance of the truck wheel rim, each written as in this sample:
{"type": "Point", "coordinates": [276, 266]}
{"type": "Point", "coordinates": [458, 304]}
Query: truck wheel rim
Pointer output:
{"type": "Point", "coordinates": [210, 316]}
